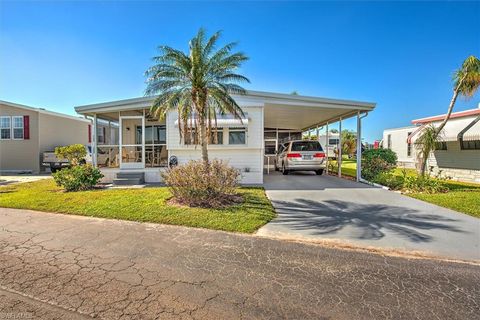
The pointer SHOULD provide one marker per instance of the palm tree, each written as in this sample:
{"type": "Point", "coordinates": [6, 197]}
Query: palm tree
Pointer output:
{"type": "Point", "coordinates": [466, 82]}
{"type": "Point", "coordinates": [197, 84]}
{"type": "Point", "coordinates": [426, 143]}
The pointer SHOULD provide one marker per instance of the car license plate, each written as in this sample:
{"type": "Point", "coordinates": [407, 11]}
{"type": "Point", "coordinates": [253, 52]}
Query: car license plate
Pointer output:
{"type": "Point", "coordinates": [307, 157]}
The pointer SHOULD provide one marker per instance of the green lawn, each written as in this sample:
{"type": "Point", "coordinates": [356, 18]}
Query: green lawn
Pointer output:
{"type": "Point", "coordinates": [145, 205]}
{"type": "Point", "coordinates": [462, 197]}
{"type": "Point", "coordinates": [466, 201]}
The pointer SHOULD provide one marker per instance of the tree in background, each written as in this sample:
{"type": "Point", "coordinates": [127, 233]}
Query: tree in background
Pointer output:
{"type": "Point", "coordinates": [198, 84]}
{"type": "Point", "coordinates": [349, 143]}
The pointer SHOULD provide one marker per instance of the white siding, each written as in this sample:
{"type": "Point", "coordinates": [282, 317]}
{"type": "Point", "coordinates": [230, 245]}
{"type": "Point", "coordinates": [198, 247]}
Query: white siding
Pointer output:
{"type": "Point", "coordinates": [247, 158]}
{"type": "Point", "coordinates": [455, 158]}
{"type": "Point", "coordinates": [399, 145]}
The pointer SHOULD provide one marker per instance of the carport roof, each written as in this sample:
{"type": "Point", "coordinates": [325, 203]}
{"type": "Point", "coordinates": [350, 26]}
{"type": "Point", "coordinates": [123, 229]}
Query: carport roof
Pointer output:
{"type": "Point", "coordinates": [284, 111]}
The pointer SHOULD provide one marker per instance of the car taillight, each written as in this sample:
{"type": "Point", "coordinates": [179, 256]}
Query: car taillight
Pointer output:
{"type": "Point", "coordinates": [319, 155]}
{"type": "Point", "coordinates": [294, 155]}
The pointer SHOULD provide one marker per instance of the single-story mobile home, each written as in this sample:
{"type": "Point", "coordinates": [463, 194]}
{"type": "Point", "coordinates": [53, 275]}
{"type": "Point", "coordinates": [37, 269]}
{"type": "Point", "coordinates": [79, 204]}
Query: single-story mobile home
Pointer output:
{"type": "Point", "coordinates": [134, 141]}
{"type": "Point", "coordinates": [27, 132]}
{"type": "Point", "coordinates": [458, 151]}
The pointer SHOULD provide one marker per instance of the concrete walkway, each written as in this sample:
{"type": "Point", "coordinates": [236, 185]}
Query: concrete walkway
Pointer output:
{"type": "Point", "coordinates": [55, 266]}
{"type": "Point", "coordinates": [313, 207]}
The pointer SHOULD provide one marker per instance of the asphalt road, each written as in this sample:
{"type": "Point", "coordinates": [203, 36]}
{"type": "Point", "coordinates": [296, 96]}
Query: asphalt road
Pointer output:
{"type": "Point", "coordinates": [67, 267]}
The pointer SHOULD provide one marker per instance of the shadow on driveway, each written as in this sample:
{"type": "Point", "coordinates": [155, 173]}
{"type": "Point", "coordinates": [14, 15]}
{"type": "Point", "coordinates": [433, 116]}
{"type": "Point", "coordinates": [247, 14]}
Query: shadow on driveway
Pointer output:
{"type": "Point", "coordinates": [369, 220]}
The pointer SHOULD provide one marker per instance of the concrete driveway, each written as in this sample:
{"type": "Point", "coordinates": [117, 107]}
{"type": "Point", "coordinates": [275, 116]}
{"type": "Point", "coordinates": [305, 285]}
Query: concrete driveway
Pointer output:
{"type": "Point", "coordinates": [314, 207]}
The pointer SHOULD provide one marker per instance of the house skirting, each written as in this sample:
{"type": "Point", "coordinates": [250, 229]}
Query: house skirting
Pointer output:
{"type": "Point", "coordinates": [465, 175]}
{"type": "Point", "coordinates": [152, 175]}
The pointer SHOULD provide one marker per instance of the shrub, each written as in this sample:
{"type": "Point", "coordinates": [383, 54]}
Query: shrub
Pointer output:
{"type": "Point", "coordinates": [198, 184]}
{"type": "Point", "coordinates": [377, 161]}
{"type": "Point", "coordinates": [76, 178]}
{"type": "Point", "coordinates": [424, 184]}
{"type": "Point", "coordinates": [390, 180]}
{"type": "Point", "coordinates": [74, 153]}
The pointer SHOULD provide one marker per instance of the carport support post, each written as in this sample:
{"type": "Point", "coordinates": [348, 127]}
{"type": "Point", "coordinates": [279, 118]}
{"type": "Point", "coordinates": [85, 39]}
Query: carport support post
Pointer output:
{"type": "Point", "coordinates": [326, 147]}
{"type": "Point", "coordinates": [94, 135]}
{"type": "Point", "coordinates": [359, 147]}
{"type": "Point", "coordinates": [339, 160]}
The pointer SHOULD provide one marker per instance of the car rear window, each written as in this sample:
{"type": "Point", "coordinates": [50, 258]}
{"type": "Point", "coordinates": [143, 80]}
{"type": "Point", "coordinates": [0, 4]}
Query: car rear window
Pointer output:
{"type": "Point", "coordinates": [306, 146]}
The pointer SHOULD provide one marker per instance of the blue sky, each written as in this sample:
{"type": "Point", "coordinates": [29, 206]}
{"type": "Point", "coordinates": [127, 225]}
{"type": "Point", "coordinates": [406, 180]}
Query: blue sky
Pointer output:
{"type": "Point", "coordinates": [399, 54]}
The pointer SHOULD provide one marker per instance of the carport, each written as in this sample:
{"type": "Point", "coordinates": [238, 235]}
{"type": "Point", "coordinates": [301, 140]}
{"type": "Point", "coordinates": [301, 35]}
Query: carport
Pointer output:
{"type": "Point", "coordinates": [288, 116]}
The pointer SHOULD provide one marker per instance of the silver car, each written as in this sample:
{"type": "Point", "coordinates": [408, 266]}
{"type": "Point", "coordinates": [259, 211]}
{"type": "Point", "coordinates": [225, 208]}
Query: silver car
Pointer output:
{"type": "Point", "coordinates": [300, 155]}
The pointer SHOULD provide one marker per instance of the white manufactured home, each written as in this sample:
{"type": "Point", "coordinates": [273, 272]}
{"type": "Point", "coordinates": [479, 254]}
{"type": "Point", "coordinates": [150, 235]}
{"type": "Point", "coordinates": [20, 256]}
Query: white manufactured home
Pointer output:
{"type": "Point", "coordinates": [458, 152]}
{"type": "Point", "coordinates": [133, 141]}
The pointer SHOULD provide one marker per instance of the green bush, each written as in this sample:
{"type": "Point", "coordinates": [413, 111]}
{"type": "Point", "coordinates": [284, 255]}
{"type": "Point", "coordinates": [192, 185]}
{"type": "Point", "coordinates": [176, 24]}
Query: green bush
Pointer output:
{"type": "Point", "coordinates": [198, 184]}
{"type": "Point", "coordinates": [75, 153]}
{"type": "Point", "coordinates": [424, 184]}
{"type": "Point", "coordinates": [76, 178]}
{"type": "Point", "coordinates": [377, 161]}
{"type": "Point", "coordinates": [390, 180]}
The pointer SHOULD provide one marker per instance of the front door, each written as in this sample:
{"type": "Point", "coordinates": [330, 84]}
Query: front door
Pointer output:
{"type": "Point", "coordinates": [132, 142]}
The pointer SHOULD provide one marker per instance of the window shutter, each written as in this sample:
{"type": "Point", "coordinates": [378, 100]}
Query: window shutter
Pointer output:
{"type": "Point", "coordinates": [104, 135]}
{"type": "Point", "coordinates": [26, 127]}
{"type": "Point", "coordinates": [89, 133]}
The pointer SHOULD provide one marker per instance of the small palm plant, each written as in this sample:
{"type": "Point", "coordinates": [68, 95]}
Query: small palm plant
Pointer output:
{"type": "Point", "coordinates": [425, 144]}
{"type": "Point", "coordinates": [198, 84]}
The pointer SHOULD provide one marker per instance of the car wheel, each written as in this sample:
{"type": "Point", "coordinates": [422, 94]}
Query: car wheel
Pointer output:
{"type": "Point", "coordinates": [284, 171]}
{"type": "Point", "coordinates": [319, 172]}
{"type": "Point", "coordinates": [53, 170]}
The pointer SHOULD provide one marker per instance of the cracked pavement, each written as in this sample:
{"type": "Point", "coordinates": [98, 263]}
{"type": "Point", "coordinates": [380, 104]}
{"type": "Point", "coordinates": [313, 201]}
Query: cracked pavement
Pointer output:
{"type": "Point", "coordinates": [56, 266]}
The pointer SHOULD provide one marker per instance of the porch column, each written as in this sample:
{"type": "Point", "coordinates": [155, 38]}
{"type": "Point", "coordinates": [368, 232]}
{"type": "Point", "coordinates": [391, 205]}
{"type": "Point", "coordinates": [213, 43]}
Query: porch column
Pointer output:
{"type": "Point", "coordinates": [326, 148]}
{"type": "Point", "coordinates": [143, 139]}
{"type": "Point", "coordinates": [94, 140]}
{"type": "Point", "coordinates": [339, 160]}
{"type": "Point", "coordinates": [359, 147]}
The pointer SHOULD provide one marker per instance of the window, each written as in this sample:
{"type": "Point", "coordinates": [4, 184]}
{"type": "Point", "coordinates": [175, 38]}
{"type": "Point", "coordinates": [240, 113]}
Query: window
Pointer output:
{"type": "Point", "coordinates": [409, 146]}
{"type": "Point", "coordinates": [5, 128]}
{"type": "Point", "coordinates": [471, 145]}
{"type": "Point", "coordinates": [17, 127]}
{"type": "Point", "coordinates": [219, 133]}
{"type": "Point", "coordinates": [101, 135]}
{"type": "Point", "coordinates": [306, 146]}
{"type": "Point", "coordinates": [441, 145]}
{"type": "Point", "coordinates": [333, 141]}
{"type": "Point", "coordinates": [190, 136]}
{"type": "Point", "coordinates": [389, 141]}
{"type": "Point", "coordinates": [236, 136]}
{"type": "Point", "coordinates": [156, 134]}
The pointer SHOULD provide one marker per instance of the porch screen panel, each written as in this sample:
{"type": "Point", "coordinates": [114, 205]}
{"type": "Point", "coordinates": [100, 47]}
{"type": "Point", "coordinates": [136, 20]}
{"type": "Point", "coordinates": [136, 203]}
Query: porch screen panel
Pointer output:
{"type": "Point", "coordinates": [108, 148]}
{"type": "Point", "coordinates": [155, 144]}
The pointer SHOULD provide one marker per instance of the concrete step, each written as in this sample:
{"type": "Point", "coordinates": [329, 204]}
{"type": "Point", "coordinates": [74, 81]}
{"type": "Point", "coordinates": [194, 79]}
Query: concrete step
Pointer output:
{"type": "Point", "coordinates": [131, 175]}
{"type": "Point", "coordinates": [127, 181]}
{"type": "Point", "coordinates": [129, 178]}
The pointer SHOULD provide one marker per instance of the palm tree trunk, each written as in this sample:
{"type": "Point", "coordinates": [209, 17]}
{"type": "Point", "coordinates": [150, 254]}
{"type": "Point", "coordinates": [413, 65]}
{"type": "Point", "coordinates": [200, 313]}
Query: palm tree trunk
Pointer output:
{"type": "Point", "coordinates": [449, 112]}
{"type": "Point", "coordinates": [203, 138]}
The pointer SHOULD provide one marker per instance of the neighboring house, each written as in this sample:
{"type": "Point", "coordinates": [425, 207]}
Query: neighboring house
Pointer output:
{"type": "Point", "coordinates": [458, 152]}
{"type": "Point", "coordinates": [396, 140]}
{"type": "Point", "coordinates": [26, 132]}
{"type": "Point", "coordinates": [332, 144]}
{"type": "Point", "coordinates": [133, 141]}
